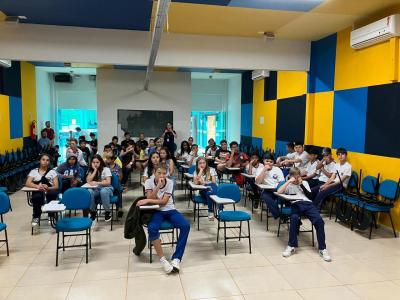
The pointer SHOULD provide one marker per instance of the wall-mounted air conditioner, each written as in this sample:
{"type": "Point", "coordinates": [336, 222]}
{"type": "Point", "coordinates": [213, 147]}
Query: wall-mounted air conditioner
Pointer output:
{"type": "Point", "coordinates": [259, 74]}
{"type": "Point", "coordinates": [375, 32]}
{"type": "Point", "coordinates": [5, 63]}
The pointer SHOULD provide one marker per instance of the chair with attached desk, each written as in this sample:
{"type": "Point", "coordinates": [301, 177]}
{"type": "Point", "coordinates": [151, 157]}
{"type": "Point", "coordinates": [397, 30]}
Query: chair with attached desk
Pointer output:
{"type": "Point", "coordinates": [197, 201]}
{"type": "Point", "coordinates": [4, 208]}
{"type": "Point", "coordinates": [75, 199]}
{"type": "Point", "coordinates": [188, 176]}
{"type": "Point", "coordinates": [230, 194]}
{"type": "Point", "coordinates": [286, 212]}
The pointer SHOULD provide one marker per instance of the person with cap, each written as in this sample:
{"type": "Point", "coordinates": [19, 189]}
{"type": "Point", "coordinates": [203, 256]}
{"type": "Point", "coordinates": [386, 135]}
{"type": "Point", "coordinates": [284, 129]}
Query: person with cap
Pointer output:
{"type": "Point", "coordinates": [311, 174]}
{"type": "Point", "coordinates": [300, 159]}
{"type": "Point", "coordinates": [69, 172]}
{"type": "Point", "coordinates": [325, 167]}
{"type": "Point", "coordinates": [337, 181]}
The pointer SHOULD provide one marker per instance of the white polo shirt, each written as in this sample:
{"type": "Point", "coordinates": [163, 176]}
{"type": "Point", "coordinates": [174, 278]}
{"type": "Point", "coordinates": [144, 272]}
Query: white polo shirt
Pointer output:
{"type": "Point", "coordinates": [50, 176]}
{"type": "Point", "coordinates": [344, 170]}
{"type": "Point", "coordinates": [311, 168]}
{"type": "Point", "coordinates": [330, 168]}
{"type": "Point", "coordinates": [304, 160]}
{"type": "Point", "coordinates": [203, 176]}
{"type": "Point", "coordinates": [272, 177]}
{"type": "Point", "coordinates": [254, 170]}
{"type": "Point", "coordinates": [167, 189]}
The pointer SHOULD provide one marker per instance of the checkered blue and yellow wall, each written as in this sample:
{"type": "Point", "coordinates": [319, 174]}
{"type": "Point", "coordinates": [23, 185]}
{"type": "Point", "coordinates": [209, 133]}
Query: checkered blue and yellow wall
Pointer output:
{"type": "Point", "coordinates": [349, 98]}
{"type": "Point", "coordinates": [17, 104]}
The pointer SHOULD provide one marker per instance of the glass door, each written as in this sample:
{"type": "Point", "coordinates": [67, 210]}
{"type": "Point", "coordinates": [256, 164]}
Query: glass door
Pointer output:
{"type": "Point", "coordinates": [206, 125]}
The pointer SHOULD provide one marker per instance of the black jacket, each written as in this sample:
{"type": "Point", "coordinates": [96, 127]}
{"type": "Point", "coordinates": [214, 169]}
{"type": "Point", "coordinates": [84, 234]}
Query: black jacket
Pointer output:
{"type": "Point", "coordinates": [134, 222]}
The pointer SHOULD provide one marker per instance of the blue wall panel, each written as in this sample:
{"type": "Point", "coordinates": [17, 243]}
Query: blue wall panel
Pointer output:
{"type": "Point", "coordinates": [280, 148]}
{"type": "Point", "coordinates": [246, 124]}
{"type": "Point", "coordinates": [321, 77]}
{"type": "Point", "coordinates": [349, 119]}
{"type": "Point", "coordinates": [15, 117]}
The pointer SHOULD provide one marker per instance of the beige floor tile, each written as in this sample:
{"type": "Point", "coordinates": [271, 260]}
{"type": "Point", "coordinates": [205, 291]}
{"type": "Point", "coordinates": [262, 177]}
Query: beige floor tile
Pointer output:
{"type": "Point", "coordinates": [155, 287]}
{"type": "Point", "coordinates": [351, 271]}
{"type": "Point", "coordinates": [102, 269]}
{"type": "Point", "coordinates": [227, 298]}
{"type": "Point", "coordinates": [377, 290]}
{"type": "Point", "coordinates": [328, 293]}
{"type": "Point", "coordinates": [388, 267]}
{"type": "Point", "coordinates": [396, 282]}
{"type": "Point", "coordinates": [11, 274]}
{"type": "Point", "coordinates": [114, 289]}
{"type": "Point", "coordinates": [298, 257]}
{"type": "Point", "coordinates": [4, 292]}
{"type": "Point", "coordinates": [201, 261]}
{"type": "Point", "coordinates": [316, 276]}
{"type": "Point", "coordinates": [18, 256]}
{"type": "Point", "coordinates": [209, 284]}
{"type": "Point", "coordinates": [241, 260]}
{"type": "Point", "coordinates": [45, 274]}
{"type": "Point", "coordinates": [140, 266]}
{"type": "Point", "coordinates": [259, 280]}
{"type": "Point", "coordinates": [41, 292]}
{"type": "Point", "coordinates": [281, 295]}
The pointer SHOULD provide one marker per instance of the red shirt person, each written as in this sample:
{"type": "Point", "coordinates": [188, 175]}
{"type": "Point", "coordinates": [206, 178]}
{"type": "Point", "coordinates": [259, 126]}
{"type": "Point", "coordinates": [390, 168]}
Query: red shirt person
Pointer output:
{"type": "Point", "coordinates": [50, 133]}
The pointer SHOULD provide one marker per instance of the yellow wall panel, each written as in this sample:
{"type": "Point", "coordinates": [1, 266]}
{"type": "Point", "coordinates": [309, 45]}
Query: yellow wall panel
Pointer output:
{"type": "Point", "coordinates": [267, 111]}
{"type": "Point", "coordinates": [322, 119]}
{"type": "Point", "coordinates": [28, 90]}
{"type": "Point", "coordinates": [2, 16]}
{"type": "Point", "coordinates": [7, 144]}
{"type": "Point", "coordinates": [309, 127]}
{"type": "Point", "coordinates": [291, 84]}
{"type": "Point", "coordinates": [364, 67]}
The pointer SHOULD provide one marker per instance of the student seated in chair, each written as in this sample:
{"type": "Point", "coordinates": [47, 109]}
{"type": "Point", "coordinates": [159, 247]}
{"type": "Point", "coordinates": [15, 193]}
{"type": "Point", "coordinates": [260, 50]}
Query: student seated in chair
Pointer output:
{"type": "Point", "coordinates": [302, 207]}
{"type": "Point", "coordinates": [158, 191]}
{"type": "Point", "coordinates": [290, 154]}
{"type": "Point", "coordinates": [99, 176]}
{"type": "Point", "coordinates": [311, 174]}
{"type": "Point", "coordinates": [300, 159]}
{"type": "Point", "coordinates": [254, 167]}
{"type": "Point", "coordinates": [205, 175]}
{"type": "Point", "coordinates": [69, 172]}
{"type": "Point", "coordinates": [45, 180]}
{"type": "Point", "coordinates": [338, 180]}
{"type": "Point", "coordinates": [326, 167]}
{"type": "Point", "coordinates": [270, 176]}
{"type": "Point", "coordinates": [193, 156]}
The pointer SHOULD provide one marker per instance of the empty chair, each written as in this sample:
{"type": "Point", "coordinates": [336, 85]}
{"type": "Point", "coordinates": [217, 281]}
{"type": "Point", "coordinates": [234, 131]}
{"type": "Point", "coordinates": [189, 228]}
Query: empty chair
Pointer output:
{"type": "Point", "coordinates": [4, 208]}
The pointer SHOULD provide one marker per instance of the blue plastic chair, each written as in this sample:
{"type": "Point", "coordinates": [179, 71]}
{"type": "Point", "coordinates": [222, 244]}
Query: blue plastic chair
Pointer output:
{"type": "Point", "coordinates": [4, 208]}
{"type": "Point", "coordinates": [190, 171]}
{"type": "Point", "coordinates": [116, 197]}
{"type": "Point", "coordinates": [232, 191]}
{"type": "Point", "coordinates": [75, 199]}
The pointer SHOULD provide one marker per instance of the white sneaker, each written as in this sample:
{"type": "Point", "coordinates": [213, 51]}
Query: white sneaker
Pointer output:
{"type": "Point", "coordinates": [211, 216]}
{"type": "Point", "coordinates": [325, 255]}
{"type": "Point", "coordinates": [175, 264]}
{"type": "Point", "coordinates": [166, 265]}
{"type": "Point", "coordinates": [288, 251]}
{"type": "Point", "coordinates": [35, 222]}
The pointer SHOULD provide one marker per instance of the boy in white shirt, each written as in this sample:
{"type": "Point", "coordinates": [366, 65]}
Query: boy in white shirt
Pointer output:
{"type": "Point", "coordinates": [300, 159]}
{"type": "Point", "coordinates": [252, 168]}
{"type": "Point", "coordinates": [159, 191]}
{"type": "Point", "coordinates": [335, 184]}
{"type": "Point", "coordinates": [311, 174]}
{"type": "Point", "coordinates": [303, 206]}
{"type": "Point", "coordinates": [290, 153]}
{"type": "Point", "coordinates": [270, 176]}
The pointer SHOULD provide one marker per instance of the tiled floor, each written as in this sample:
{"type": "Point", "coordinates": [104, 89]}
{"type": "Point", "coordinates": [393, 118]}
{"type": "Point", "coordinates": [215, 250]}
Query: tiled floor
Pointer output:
{"type": "Point", "coordinates": [361, 268]}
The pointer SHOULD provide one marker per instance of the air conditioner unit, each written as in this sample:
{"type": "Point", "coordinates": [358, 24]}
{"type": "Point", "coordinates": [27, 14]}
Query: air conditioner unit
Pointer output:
{"type": "Point", "coordinates": [259, 74]}
{"type": "Point", "coordinates": [5, 63]}
{"type": "Point", "coordinates": [375, 32]}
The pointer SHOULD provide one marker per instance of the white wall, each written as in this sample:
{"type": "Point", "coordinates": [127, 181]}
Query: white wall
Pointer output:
{"type": "Point", "coordinates": [80, 94]}
{"type": "Point", "coordinates": [32, 42]}
{"type": "Point", "coordinates": [43, 103]}
{"type": "Point", "coordinates": [209, 94]}
{"type": "Point", "coordinates": [234, 108]}
{"type": "Point", "coordinates": [123, 89]}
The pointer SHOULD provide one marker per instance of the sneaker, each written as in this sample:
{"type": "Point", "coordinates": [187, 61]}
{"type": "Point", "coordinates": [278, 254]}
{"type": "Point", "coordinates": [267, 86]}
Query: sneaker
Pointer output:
{"type": "Point", "coordinates": [35, 222]}
{"type": "Point", "coordinates": [93, 215]}
{"type": "Point", "coordinates": [288, 251]}
{"type": "Point", "coordinates": [325, 255]}
{"type": "Point", "coordinates": [211, 216]}
{"type": "Point", "coordinates": [120, 213]}
{"type": "Point", "coordinates": [168, 268]}
{"type": "Point", "coordinates": [107, 216]}
{"type": "Point", "coordinates": [175, 264]}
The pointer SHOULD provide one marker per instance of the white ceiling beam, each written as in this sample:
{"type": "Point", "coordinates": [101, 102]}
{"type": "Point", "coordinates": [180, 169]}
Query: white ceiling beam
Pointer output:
{"type": "Point", "coordinates": [161, 17]}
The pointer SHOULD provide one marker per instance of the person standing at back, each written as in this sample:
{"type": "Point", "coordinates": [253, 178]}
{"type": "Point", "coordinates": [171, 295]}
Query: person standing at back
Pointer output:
{"type": "Point", "coordinates": [169, 136]}
{"type": "Point", "coordinates": [50, 133]}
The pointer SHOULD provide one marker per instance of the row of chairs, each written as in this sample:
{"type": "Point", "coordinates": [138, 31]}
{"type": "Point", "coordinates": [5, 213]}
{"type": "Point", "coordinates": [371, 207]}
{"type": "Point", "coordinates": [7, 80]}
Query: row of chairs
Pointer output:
{"type": "Point", "coordinates": [15, 165]}
{"type": "Point", "coordinates": [364, 199]}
